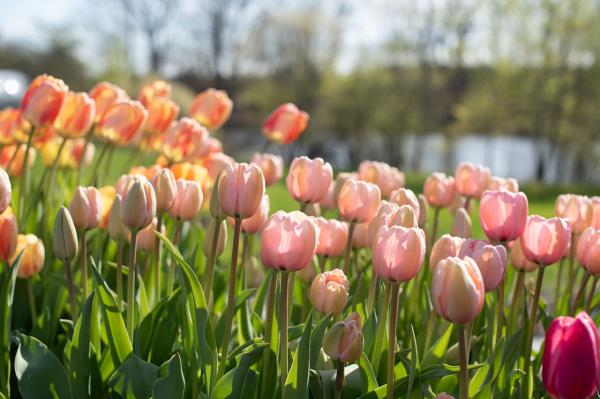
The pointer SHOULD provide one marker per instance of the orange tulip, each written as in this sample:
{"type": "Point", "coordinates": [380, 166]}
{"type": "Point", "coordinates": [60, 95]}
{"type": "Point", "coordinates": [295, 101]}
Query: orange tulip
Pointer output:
{"type": "Point", "coordinates": [285, 124]}
{"type": "Point", "coordinates": [5, 190]}
{"type": "Point", "coordinates": [13, 126]}
{"type": "Point", "coordinates": [211, 108]}
{"type": "Point", "coordinates": [76, 115]}
{"type": "Point", "coordinates": [161, 114]}
{"type": "Point", "coordinates": [152, 91]}
{"type": "Point", "coordinates": [215, 163]}
{"type": "Point", "coordinates": [122, 122]}
{"type": "Point", "coordinates": [43, 100]}
{"type": "Point", "coordinates": [105, 95]}
{"type": "Point", "coordinates": [33, 256]}
{"type": "Point", "coordinates": [8, 234]}
{"type": "Point", "coordinates": [107, 193]}
{"type": "Point", "coordinates": [7, 153]}
{"type": "Point", "coordinates": [185, 141]}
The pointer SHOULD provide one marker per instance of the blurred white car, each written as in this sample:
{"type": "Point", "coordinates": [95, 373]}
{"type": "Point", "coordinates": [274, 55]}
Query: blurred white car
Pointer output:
{"type": "Point", "coordinates": [12, 87]}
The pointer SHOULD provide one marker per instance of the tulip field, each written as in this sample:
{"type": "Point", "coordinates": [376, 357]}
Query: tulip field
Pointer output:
{"type": "Point", "coordinates": [141, 261]}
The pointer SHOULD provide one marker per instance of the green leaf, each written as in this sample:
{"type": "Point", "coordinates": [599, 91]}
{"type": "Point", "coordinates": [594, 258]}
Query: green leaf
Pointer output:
{"type": "Point", "coordinates": [79, 365]}
{"type": "Point", "coordinates": [7, 290]}
{"type": "Point", "coordinates": [436, 354]}
{"type": "Point", "coordinates": [296, 384]}
{"type": "Point", "coordinates": [367, 372]}
{"type": "Point", "coordinates": [240, 373]}
{"type": "Point", "coordinates": [414, 361]}
{"type": "Point", "coordinates": [134, 378]}
{"type": "Point", "coordinates": [478, 380]}
{"type": "Point", "coordinates": [170, 382]}
{"type": "Point", "coordinates": [39, 372]}
{"type": "Point", "coordinates": [316, 340]}
{"type": "Point", "coordinates": [116, 333]}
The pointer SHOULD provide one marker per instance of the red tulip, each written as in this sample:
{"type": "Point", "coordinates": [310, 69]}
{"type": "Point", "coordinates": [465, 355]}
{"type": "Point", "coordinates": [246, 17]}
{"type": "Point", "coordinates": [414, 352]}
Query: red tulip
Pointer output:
{"type": "Point", "coordinates": [545, 241]}
{"type": "Point", "coordinates": [398, 252]}
{"type": "Point", "coordinates": [503, 215]}
{"type": "Point", "coordinates": [491, 260]}
{"type": "Point", "coordinates": [309, 179]}
{"type": "Point", "coordinates": [105, 95]}
{"type": "Point", "coordinates": [76, 115]}
{"type": "Point", "coordinates": [285, 124]}
{"type": "Point", "coordinates": [43, 100]}
{"type": "Point", "coordinates": [122, 122]}
{"type": "Point", "coordinates": [439, 190]}
{"type": "Point", "coordinates": [577, 209]}
{"type": "Point", "coordinates": [358, 201]}
{"type": "Point", "coordinates": [588, 250]}
{"type": "Point", "coordinates": [471, 180]}
{"type": "Point", "coordinates": [211, 108]}
{"type": "Point", "coordinates": [333, 235]}
{"type": "Point", "coordinates": [241, 189]}
{"type": "Point", "coordinates": [271, 166]}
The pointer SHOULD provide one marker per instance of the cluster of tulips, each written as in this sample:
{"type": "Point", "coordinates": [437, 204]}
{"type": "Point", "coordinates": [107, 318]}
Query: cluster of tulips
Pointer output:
{"type": "Point", "coordinates": [345, 269]}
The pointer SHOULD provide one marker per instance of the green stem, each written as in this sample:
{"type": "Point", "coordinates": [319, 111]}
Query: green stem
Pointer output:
{"type": "Point", "coordinates": [392, 340]}
{"type": "Point", "coordinates": [210, 263]}
{"type": "Point", "coordinates": [131, 284]}
{"type": "Point", "coordinates": [434, 226]}
{"type": "Point", "coordinates": [88, 138]}
{"type": "Point", "coordinates": [84, 283]}
{"type": "Point", "coordinates": [590, 297]}
{"type": "Point", "coordinates": [464, 362]}
{"type": "Point", "coordinates": [71, 289]}
{"type": "Point", "coordinates": [108, 163]}
{"type": "Point", "coordinates": [571, 275]}
{"type": "Point", "coordinates": [348, 248]}
{"type": "Point", "coordinates": [372, 291]}
{"type": "Point", "coordinates": [430, 330]}
{"type": "Point", "coordinates": [24, 176]}
{"type": "Point", "coordinates": [581, 291]}
{"type": "Point", "coordinates": [32, 308]}
{"type": "Point", "coordinates": [500, 311]}
{"type": "Point", "coordinates": [270, 306]}
{"type": "Point", "coordinates": [171, 271]}
{"type": "Point", "coordinates": [376, 355]}
{"type": "Point", "coordinates": [558, 282]}
{"type": "Point", "coordinates": [97, 165]}
{"type": "Point", "coordinates": [119, 276]}
{"type": "Point", "coordinates": [340, 380]}
{"type": "Point", "coordinates": [516, 300]}
{"type": "Point", "coordinates": [531, 330]}
{"type": "Point", "coordinates": [283, 329]}
{"type": "Point", "coordinates": [159, 223]}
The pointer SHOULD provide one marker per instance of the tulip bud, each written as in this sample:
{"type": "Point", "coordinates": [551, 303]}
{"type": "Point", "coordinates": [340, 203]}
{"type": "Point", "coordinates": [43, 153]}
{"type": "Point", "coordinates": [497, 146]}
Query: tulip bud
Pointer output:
{"type": "Point", "coordinates": [285, 124]}
{"type": "Point", "coordinates": [146, 239]}
{"type": "Point", "coordinates": [122, 122]}
{"type": "Point", "coordinates": [105, 95]}
{"type": "Point", "coordinates": [254, 223]}
{"type": "Point", "coordinates": [490, 259]}
{"type": "Point", "coordinates": [471, 180]}
{"type": "Point", "coordinates": [8, 234]}
{"type": "Point", "coordinates": [214, 208]}
{"type": "Point", "coordinates": [518, 260]}
{"type": "Point", "coordinates": [333, 235]}
{"type": "Point", "coordinates": [165, 188]}
{"type": "Point", "coordinates": [5, 190]}
{"type": "Point", "coordinates": [86, 208]}
{"type": "Point", "coordinates": [445, 247]}
{"type": "Point", "coordinates": [588, 250]}
{"type": "Point", "coordinates": [344, 340]}
{"type": "Point", "coordinates": [33, 254]}
{"type": "Point", "coordinates": [188, 200]}
{"type": "Point", "coordinates": [360, 236]}
{"type": "Point", "coordinates": [76, 115]}
{"type": "Point", "coordinates": [64, 241]}
{"type": "Point", "coordinates": [439, 190]}
{"type": "Point", "coordinates": [241, 189]}
{"type": "Point", "coordinates": [308, 179]}
{"type": "Point", "coordinates": [461, 224]}
{"type": "Point", "coordinates": [398, 252]}
{"type": "Point", "coordinates": [43, 100]}
{"type": "Point", "coordinates": [405, 217]}
{"type": "Point", "coordinates": [358, 201]}
{"type": "Point", "coordinates": [186, 140]}
{"type": "Point", "coordinates": [271, 166]}
{"type": "Point", "coordinates": [500, 183]}
{"type": "Point", "coordinates": [221, 240]}
{"type": "Point", "coordinates": [254, 273]}
{"type": "Point", "coordinates": [577, 209]}
{"type": "Point", "coordinates": [423, 211]}
{"type": "Point", "coordinates": [404, 196]}
{"type": "Point", "coordinates": [329, 292]}
{"type": "Point", "coordinates": [139, 207]}
{"type": "Point", "coordinates": [545, 241]}
{"type": "Point", "coordinates": [116, 228]}
{"type": "Point", "coordinates": [211, 108]}
{"type": "Point", "coordinates": [503, 215]}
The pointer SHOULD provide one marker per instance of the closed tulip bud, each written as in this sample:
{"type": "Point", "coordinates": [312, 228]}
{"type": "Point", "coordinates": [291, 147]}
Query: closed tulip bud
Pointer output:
{"type": "Point", "coordinates": [500, 183]}
{"type": "Point", "coordinates": [308, 179]}
{"type": "Point", "coordinates": [445, 247]}
{"type": "Point", "coordinates": [360, 236]}
{"type": "Point", "coordinates": [8, 234]}
{"type": "Point", "coordinates": [344, 340]}
{"type": "Point", "coordinates": [43, 100]}
{"type": "Point", "coordinates": [358, 201]}
{"type": "Point", "coordinates": [329, 292]}
{"type": "Point", "coordinates": [398, 253]}
{"type": "Point", "coordinates": [285, 124]}
{"type": "Point", "coordinates": [457, 290]}
{"type": "Point", "coordinates": [461, 224]}
{"type": "Point", "coordinates": [215, 163]}
{"type": "Point", "coordinates": [188, 200]}
{"type": "Point", "coordinates": [339, 183]}
{"type": "Point", "coordinates": [105, 95]}
{"type": "Point", "coordinates": [405, 217]}
{"type": "Point", "coordinates": [288, 241]}
{"type": "Point", "coordinates": [124, 183]}
{"type": "Point", "coordinates": [471, 180]}
{"type": "Point", "coordinates": [139, 206]}
{"type": "Point", "coordinates": [404, 196]}
{"type": "Point", "coordinates": [211, 108]}
{"type": "Point", "coordinates": [13, 126]}
{"type": "Point", "coordinates": [588, 250]}
{"type": "Point", "coordinates": [518, 260]}
{"type": "Point", "coordinates": [384, 217]}
{"type": "Point", "coordinates": [595, 222]}
{"type": "Point", "coordinates": [503, 215]}
{"type": "Point", "coordinates": [122, 122]}
{"type": "Point", "coordinates": [33, 254]}
{"type": "Point", "coordinates": [545, 241]}
{"type": "Point", "coordinates": [333, 235]}
{"type": "Point", "coordinates": [146, 239]}
{"type": "Point", "coordinates": [241, 189]}
{"type": "Point", "coordinates": [577, 209]}
{"type": "Point", "coordinates": [571, 359]}
{"type": "Point", "coordinates": [271, 166]}
{"type": "Point", "coordinates": [86, 208]}
{"type": "Point", "coordinates": [214, 208]}
{"type": "Point", "coordinates": [490, 259]}
{"type": "Point", "coordinates": [381, 174]}
{"type": "Point", "coordinates": [423, 210]}
{"type": "Point", "coordinates": [161, 114]}
{"type": "Point", "coordinates": [221, 240]}
{"type": "Point", "coordinates": [165, 188]}
{"type": "Point", "coordinates": [5, 190]}
{"type": "Point", "coordinates": [254, 223]}
{"type": "Point", "coordinates": [76, 115]}
{"type": "Point", "coordinates": [64, 240]}
{"type": "Point", "coordinates": [116, 228]}
{"type": "Point", "coordinates": [328, 200]}
{"type": "Point", "coordinates": [154, 90]}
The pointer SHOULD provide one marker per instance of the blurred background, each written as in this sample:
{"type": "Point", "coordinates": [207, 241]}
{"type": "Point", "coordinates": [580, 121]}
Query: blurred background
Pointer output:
{"type": "Point", "coordinates": [422, 85]}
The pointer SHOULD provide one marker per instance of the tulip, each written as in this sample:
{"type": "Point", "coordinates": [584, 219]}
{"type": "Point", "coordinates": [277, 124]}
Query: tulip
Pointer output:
{"type": "Point", "coordinates": [211, 108]}
{"type": "Point", "coordinates": [139, 204]}
{"type": "Point", "coordinates": [188, 200]}
{"type": "Point", "coordinates": [254, 223]}
{"type": "Point", "coordinates": [221, 238]}
{"type": "Point", "coordinates": [116, 227]}
{"type": "Point", "coordinates": [285, 124]}
{"type": "Point", "coordinates": [308, 180]}
{"type": "Point", "coordinates": [147, 239]}
{"type": "Point", "coordinates": [471, 180]}
{"type": "Point", "coordinates": [459, 202]}
{"type": "Point", "coordinates": [446, 246]}
{"type": "Point", "coordinates": [358, 201]}
{"type": "Point", "coordinates": [461, 224]}
{"type": "Point", "coordinates": [214, 145]}
{"type": "Point", "coordinates": [271, 166]}
{"type": "Point", "coordinates": [595, 222]}
{"type": "Point", "coordinates": [398, 253]}
{"type": "Point", "coordinates": [86, 208]}
{"type": "Point", "coordinates": [215, 163]}
{"type": "Point", "coordinates": [385, 215]}
{"type": "Point", "coordinates": [500, 183]}
{"type": "Point", "coordinates": [588, 250]}
{"type": "Point", "coordinates": [360, 236]}
{"type": "Point", "coordinates": [43, 100]}
{"type": "Point", "coordinates": [161, 114]}
{"type": "Point", "coordinates": [105, 95]}
{"type": "Point", "coordinates": [344, 340]}
{"type": "Point", "coordinates": [13, 126]}
{"type": "Point", "coordinates": [328, 201]}
{"type": "Point", "coordinates": [571, 359]}
{"type": "Point", "coordinates": [491, 260]}
{"type": "Point", "coordinates": [423, 212]}
{"type": "Point", "coordinates": [503, 215]}
{"type": "Point", "coordinates": [339, 183]}
{"type": "Point", "coordinates": [241, 189]}
{"type": "Point", "coordinates": [165, 188]}
{"type": "Point", "coordinates": [79, 153]}
{"type": "Point", "coordinates": [518, 260]}
{"type": "Point", "coordinates": [122, 122]}
{"type": "Point", "coordinates": [381, 174]}
{"type": "Point", "coordinates": [439, 190]}
{"type": "Point", "coordinates": [329, 292]}
{"type": "Point", "coordinates": [577, 209]}
{"type": "Point", "coordinates": [5, 190]}
{"type": "Point", "coordinates": [405, 217]}
{"type": "Point", "coordinates": [12, 159]}
{"type": "Point", "coordinates": [333, 236]}
{"type": "Point", "coordinates": [152, 91]}
{"type": "Point", "coordinates": [65, 247]}
{"type": "Point", "coordinates": [8, 234]}
{"type": "Point", "coordinates": [76, 115]}
{"type": "Point", "coordinates": [32, 259]}
{"type": "Point", "coordinates": [404, 196]}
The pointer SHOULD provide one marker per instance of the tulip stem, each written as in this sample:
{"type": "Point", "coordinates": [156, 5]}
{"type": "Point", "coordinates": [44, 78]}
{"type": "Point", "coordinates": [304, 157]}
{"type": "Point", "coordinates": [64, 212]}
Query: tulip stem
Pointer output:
{"type": "Point", "coordinates": [98, 162]}
{"type": "Point", "coordinates": [171, 271]}
{"type": "Point", "coordinates": [463, 353]}
{"type": "Point", "coordinates": [530, 331]}
{"type": "Point", "coordinates": [270, 306]}
{"type": "Point", "coordinates": [392, 340]}
{"type": "Point", "coordinates": [348, 248]}
{"type": "Point", "coordinates": [581, 291]}
{"type": "Point", "coordinates": [467, 203]}
{"type": "Point", "coordinates": [376, 356]}
{"type": "Point", "coordinates": [588, 301]}
{"type": "Point", "coordinates": [131, 283]}
{"type": "Point", "coordinates": [159, 222]}
{"type": "Point", "coordinates": [372, 291]}
{"type": "Point", "coordinates": [119, 276]}
{"type": "Point", "coordinates": [571, 275]}
{"type": "Point", "coordinates": [430, 330]}
{"type": "Point", "coordinates": [230, 295]}
{"type": "Point", "coordinates": [500, 311]}
{"type": "Point", "coordinates": [24, 176]}
{"type": "Point", "coordinates": [283, 329]}
{"type": "Point", "coordinates": [84, 283]}
{"type": "Point", "coordinates": [434, 226]}
{"type": "Point", "coordinates": [210, 263]}
{"type": "Point", "coordinates": [340, 380]}
{"type": "Point", "coordinates": [516, 300]}
{"type": "Point", "coordinates": [32, 308]}
{"type": "Point", "coordinates": [71, 290]}
{"type": "Point", "coordinates": [558, 282]}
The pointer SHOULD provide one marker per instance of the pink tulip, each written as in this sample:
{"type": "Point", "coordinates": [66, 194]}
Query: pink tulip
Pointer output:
{"type": "Point", "coordinates": [385, 215]}
{"type": "Point", "coordinates": [471, 180]}
{"type": "Point", "coordinates": [405, 217]}
{"type": "Point", "coordinates": [491, 260]}
{"type": "Point", "coordinates": [423, 211]}
{"type": "Point", "coordinates": [241, 189]}
{"type": "Point", "coordinates": [571, 359]}
{"type": "Point", "coordinates": [439, 190]}
{"type": "Point", "coordinates": [285, 124]}
{"type": "Point", "coordinates": [146, 239]}
{"type": "Point", "coordinates": [188, 200]}
{"type": "Point", "coordinates": [360, 236]}
{"type": "Point", "coordinates": [86, 208]}
{"type": "Point", "coordinates": [503, 183]}
{"type": "Point", "coordinates": [288, 241]}
{"type": "Point", "coordinates": [165, 188]}
{"type": "Point", "coordinates": [461, 224]}
{"type": "Point", "coordinates": [518, 260]}
{"type": "Point", "coordinates": [503, 215]}
{"type": "Point", "coordinates": [457, 290]}
{"type": "Point", "coordinates": [398, 252]}
{"type": "Point", "coordinates": [381, 174]}
{"type": "Point", "coordinates": [344, 340]}
{"type": "Point", "coordinates": [308, 179]}
{"type": "Point", "coordinates": [254, 223]}
{"type": "Point", "coordinates": [139, 204]}
{"type": "Point", "coordinates": [545, 241]}
{"type": "Point", "coordinates": [5, 190]}
{"type": "Point", "coordinates": [339, 183]}
{"type": "Point", "coordinates": [445, 247]}
{"type": "Point", "coordinates": [211, 108]}
{"type": "Point", "coordinates": [404, 196]}
{"type": "Point", "coordinates": [329, 292]}
{"type": "Point", "coordinates": [358, 201]}
{"type": "Point", "coordinates": [577, 209]}
{"type": "Point", "coordinates": [271, 166]}
{"type": "Point", "coordinates": [333, 235]}
{"type": "Point", "coordinates": [595, 222]}
{"type": "Point", "coordinates": [588, 250]}
{"type": "Point", "coordinates": [328, 201]}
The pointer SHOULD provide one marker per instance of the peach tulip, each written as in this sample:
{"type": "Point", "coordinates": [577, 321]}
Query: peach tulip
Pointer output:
{"type": "Point", "coordinates": [360, 236]}
{"type": "Point", "coordinates": [185, 140]}
{"type": "Point", "coordinates": [339, 183]}
{"type": "Point", "coordinates": [446, 246]}
{"type": "Point", "coordinates": [161, 114]}
{"type": "Point", "coordinates": [503, 183]}
{"type": "Point", "coordinates": [285, 124]}
{"type": "Point", "coordinates": [211, 108]}
{"type": "Point", "coordinates": [107, 193]}
{"type": "Point", "coordinates": [518, 260]}
{"type": "Point", "coordinates": [13, 126]}
{"type": "Point", "coordinates": [146, 239]}
{"type": "Point", "coordinates": [165, 189]}
{"type": "Point", "coordinates": [588, 250]}
{"type": "Point", "coordinates": [86, 208]}
{"type": "Point", "coordinates": [43, 100]}
{"type": "Point", "coordinates": [308, 179]}
{"type": "Point", "coordinates": [105, 95]}
{"type": "Point", "coordinates": [271, 166]}
{"type": "Point", "coordinates": [404, 196]}
{"type": "Point", "coordinates": [405, 217]}
{"type": "Point", "coordinates": [358, 201]}
{"type": "Point", "coordinates": [254, 223]}
{"type": "Point", "coordinates": [214, 163]}
{"type": "Point", "coordinates": [16, 168]}
{"type": "Point", "coordinates": [32, 259]}
{"type": "Point", "coordinates": [491, 260]}
{"type": "Point", "coordinates": [471, 180]}
{"type": "Point", "coordinates": [384, 216]}
{"type": "Point", "coordinates": [122, 122]}
{"type": "Point", "coordinates": [503, 215]}
{"type": "Point", "coordinates": [8, 234]}
{"type": "Point", "coordinates": [398, 252]}
{"type": "Point", "coordinates": [288, 241]}
{"type": "Point", "coordinates": [461, 224]}
{"type": "Point", "coordinates": [241, 189]}
{"type": "Point", "coordinates": [577, 209]}
{"type": "Point", "coordinates": [439, 190]}
{"type": "Point", "coordinates": [333, 235]}
{"type": "Point", "coordinates": [154, 90]}
{"type": "Point", "coordinates": [188, 200]}
{"type": "Point", "coordinates": [116, 228]}
{"type": "Point", "coordinates": [5, 190]}
{"type": "Point", "coordinates": [344, 340]}
{"type": "Point", "coordinates": [328, 200]}
{"type": "Point", "coordinates": [221, 239]}
{"type": "Point", "coordinates": [545, 241]}
{"type": "Point", "coordinates": [76, 115]}
{"type": "Point", "coordinates": [214, 145]}
{"type": "Point", "coordinates": [329, 292]}
{"type": "Point", "coordinates": [595, 222]}
{"type": "Point", "coordinates": [383, 175]}
{"type": "Point", "coordinates": [457, 290]}
{"type": "Point", "coordinates": [139, 204]}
